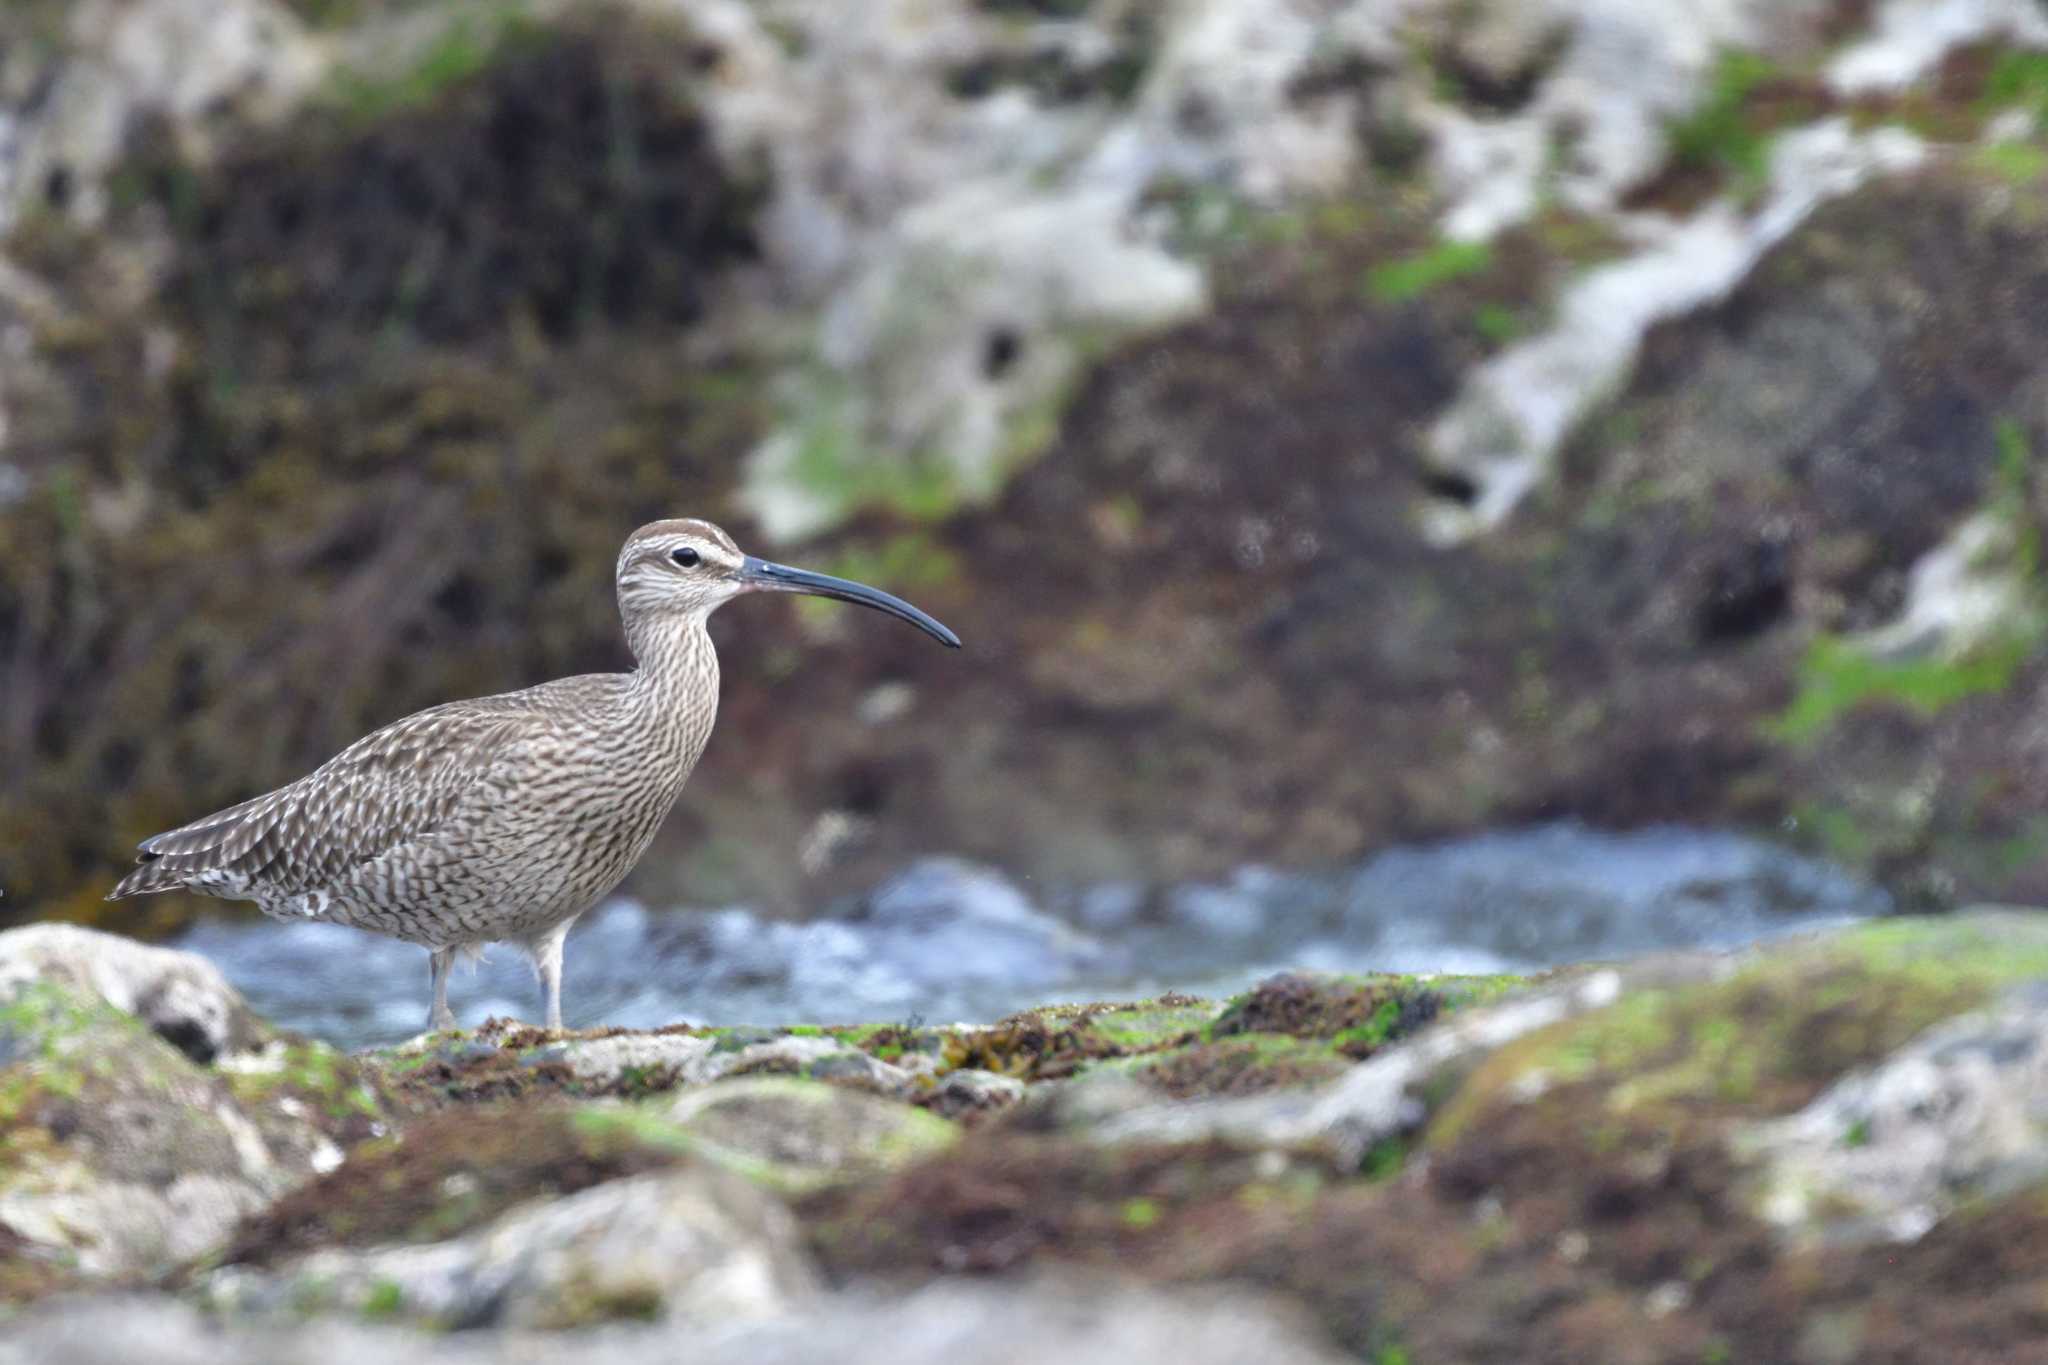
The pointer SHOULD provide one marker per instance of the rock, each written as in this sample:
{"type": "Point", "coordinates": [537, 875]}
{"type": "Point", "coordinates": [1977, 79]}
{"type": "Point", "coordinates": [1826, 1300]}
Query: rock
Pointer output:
{"type": "Point", "coordinates": [796, 1134]}
{"type": "Point", "coordinates": [1051, 1321]}
{"type": "Point", "coordinates": [1504, 430]}
{"type": "Point", "coordinates": [181, 996]}
{"type": "Point", "coordinates": [1959, 1115]}
{"type": "Point", "coordinates": [1045, 1322]}
{"type": "Point", "coordinates": [655, 1061]}
{"type": "Point", "coordinates": [968, 1092]}
{"type": "Point", "coordinates": [123, 1156]}
{"type": "Point", "coordinates": [120, 63]}
{"type": "Point", "coordinates": [1378, 1099]}
{"type": "Point", "coordinates": [696, 1244]}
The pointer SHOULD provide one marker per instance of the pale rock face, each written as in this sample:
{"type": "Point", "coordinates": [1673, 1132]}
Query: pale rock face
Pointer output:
{"type": "Point", "coordinates": [1094, 1322]}
{"type": "Point", "coordinates": [694, 1244]}
{"type": "Point", "coordinates": [127, 59]}
{"type": "Point", "coordinates": [1884, 1154]}
{"type": "Point", "coordinates": [1505, 427]}
{"type": "Point", "coordinates": [1910, 37]}
{"type": "Point", "coordinates": [181, 996]}
{"type": "Point", "coordinates": [940, 262]}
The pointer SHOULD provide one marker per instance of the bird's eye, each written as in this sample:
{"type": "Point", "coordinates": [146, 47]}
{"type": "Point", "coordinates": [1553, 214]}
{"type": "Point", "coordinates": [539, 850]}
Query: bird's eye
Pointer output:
{"type": "Point", "coordinates": [686, 557]}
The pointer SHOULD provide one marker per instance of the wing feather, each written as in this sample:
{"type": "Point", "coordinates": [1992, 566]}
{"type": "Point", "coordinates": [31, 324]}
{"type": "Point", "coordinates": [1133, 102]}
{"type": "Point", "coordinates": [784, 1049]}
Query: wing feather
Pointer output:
{"type": "Point", "coordinates": [393, 786]}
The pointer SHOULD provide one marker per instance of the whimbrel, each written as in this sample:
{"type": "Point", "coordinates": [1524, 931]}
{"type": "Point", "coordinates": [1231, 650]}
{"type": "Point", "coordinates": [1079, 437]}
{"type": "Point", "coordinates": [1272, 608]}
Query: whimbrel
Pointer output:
{"type": "Point", "coordinates": [506, 817]}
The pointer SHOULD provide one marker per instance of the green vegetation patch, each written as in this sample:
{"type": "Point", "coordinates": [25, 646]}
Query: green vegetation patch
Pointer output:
{"type": "Point", "coordinates": [2019, 163]}
{"type": "Point", "coordinates": [1357, 1014]}
{"type": "Point", "coordinates": [1249, 1065]}
{"type": "Point", "coordinates": [1721, 134]}
{"type": "Point", "coordinates": [1837, 676]}
{"type": "Point", "coordinates": [2018, 79]}
{"type": "Point", "coordinates": [1061, 1040]}
{"type": "Point", "coordinates": [1768, 1038]}
{"type": "Point", "coordinates": [467, 45]}
{"type": "Point", "coordinates": [311, 1074]}
{"type": "Point", "coordinates": [1410, 277]}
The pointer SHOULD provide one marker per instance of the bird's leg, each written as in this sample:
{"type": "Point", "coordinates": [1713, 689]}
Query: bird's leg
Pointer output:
{"type": "Point", "coordinates": [547, 960]}
{"type": "Point", "coordinates": [440, 1017]}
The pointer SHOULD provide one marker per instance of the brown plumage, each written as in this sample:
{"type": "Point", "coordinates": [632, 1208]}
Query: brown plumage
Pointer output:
{"type": "Point", "coordinates": [506, 817]}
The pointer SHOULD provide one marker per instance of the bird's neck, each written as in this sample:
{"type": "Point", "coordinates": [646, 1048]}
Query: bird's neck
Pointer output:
{"type": "Point", "coordinates": [676, 682]}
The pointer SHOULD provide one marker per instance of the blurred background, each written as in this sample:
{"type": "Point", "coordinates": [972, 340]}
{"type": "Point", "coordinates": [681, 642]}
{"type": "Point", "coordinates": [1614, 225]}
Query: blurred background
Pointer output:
{"type": "Point", "coordinates": [1423, 482]}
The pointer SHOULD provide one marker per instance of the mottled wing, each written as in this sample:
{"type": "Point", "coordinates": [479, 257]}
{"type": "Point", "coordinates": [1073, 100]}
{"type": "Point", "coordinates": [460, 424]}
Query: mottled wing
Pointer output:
{"type": "Point", "coordinates": [387, 789]}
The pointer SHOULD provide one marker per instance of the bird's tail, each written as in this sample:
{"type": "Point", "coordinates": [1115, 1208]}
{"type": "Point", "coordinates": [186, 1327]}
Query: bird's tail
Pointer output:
{"type": "Point", "coordinates": [146, 880]}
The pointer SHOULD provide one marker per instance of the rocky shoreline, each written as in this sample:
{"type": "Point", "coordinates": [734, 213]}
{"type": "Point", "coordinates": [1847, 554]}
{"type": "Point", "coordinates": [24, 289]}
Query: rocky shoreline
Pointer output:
{"type": "Point", "coordinates": [1831, 1149]}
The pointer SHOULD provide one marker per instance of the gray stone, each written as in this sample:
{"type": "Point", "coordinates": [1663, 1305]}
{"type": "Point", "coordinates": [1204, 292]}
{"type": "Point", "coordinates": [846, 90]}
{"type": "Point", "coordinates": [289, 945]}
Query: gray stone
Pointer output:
{"type": "Point", "coordinates": [1960, 1113]}
{"type": "Point", "coordinates": [118, 64]}
{"type": "Point", "coordinates": [1055, 1320]}
{"type": "Point", "coordinates": [127, 1157]}
{"type": "Point", "coordinates": [1049, 1321]}
{"type": "Point", "coordinates": [181, 996]}
{"type": "Point", "coordinates": [1379, 1098]}
{"type": "Point", "coordinates": [799, 1134]}
{"type": "Point", "coordinates": [972, 1091]}
{"type": "Point", "coordinates": [696, 1244]}
{"type": "Point", "coordinates": [700, 1059]}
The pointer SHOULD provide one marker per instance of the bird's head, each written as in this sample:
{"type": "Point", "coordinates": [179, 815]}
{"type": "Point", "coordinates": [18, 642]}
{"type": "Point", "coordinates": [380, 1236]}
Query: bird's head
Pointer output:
{"type": "Point", "coordinates": [689, 568]}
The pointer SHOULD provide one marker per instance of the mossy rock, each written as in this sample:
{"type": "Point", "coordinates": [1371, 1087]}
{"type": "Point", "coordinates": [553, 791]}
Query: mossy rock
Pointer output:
{"type": "Point", "coordinates": [794, 1134]}
{"type": "Point", "coordinates": [446, 1173]}
{"type": "Point", "coordinates": [120, 1155]}
{"type": "Point", "coordinates": [1358, 1014]}
{"type": "Point", "coordinates": [1252, 1064]}
{"type": "Point", "coordinates": [1768, 1037]}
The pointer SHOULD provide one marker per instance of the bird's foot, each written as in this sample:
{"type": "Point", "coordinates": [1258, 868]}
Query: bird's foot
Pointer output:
{"type": "Point", "coordinates": [441, 1021]}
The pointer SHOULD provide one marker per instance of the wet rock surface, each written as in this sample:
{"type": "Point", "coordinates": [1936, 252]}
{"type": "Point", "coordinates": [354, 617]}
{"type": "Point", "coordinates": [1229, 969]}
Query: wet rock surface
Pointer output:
{"type": "Point", "coordinates": [1834, 1141]}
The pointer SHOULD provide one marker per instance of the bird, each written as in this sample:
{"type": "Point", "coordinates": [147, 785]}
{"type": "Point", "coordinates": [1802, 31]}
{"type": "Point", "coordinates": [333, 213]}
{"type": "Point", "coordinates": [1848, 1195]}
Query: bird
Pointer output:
{"type": "Point", "coordinates": [503, 818]}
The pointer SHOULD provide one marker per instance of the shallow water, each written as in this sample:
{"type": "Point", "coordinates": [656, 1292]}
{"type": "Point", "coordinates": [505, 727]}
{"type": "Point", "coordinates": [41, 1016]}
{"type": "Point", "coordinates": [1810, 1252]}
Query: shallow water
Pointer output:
{"type": "Point", "coordinates": [948, 941]}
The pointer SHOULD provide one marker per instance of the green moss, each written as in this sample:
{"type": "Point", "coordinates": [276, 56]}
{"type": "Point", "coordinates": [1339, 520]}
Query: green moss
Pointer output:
{"type": "Point", "coordinates": [1250, 1064]}
{"type": "Point", "coordinates": [1835, 831]}
{"type": "Point", "coordinates": [1139, 1212]}
{"type": "Point", "coordinates": [1720, 136]}
{"type": "Point", "coordinates": [471, 40]}
{"type": "Point", "coordinates": [383, 1300]}
{"type": "Point", "coordinates": [1383, 1159]}
{"type": "Point", "coordinates": [2018, 79]}
{"type": "Point", "coordinates": [2019, 163]}
{"type": "Point", "coordinates": [1496, 323]}
{"type": "Point", "coordinates": [1837, 676]}
{"type": "Point", "coordinates": [1374, 1031]}
{"type": "Point", "coordinates": [1408, 278]}
{"type": "Point", "coordinates": [833, 462]}
{"type": "Point", "coordinates": [631, 1124]}
{"type": "Point", "coordinates": [1357, 1015]}
{"type": "Point", "coordinates": [1766, 1039]}
{"type": "Point", "coordinates": [306, 1072]}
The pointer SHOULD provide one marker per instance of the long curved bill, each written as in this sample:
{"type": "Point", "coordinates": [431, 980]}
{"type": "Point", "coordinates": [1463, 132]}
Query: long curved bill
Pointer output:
{"type": "Point", "coordinates": [771, 577]}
